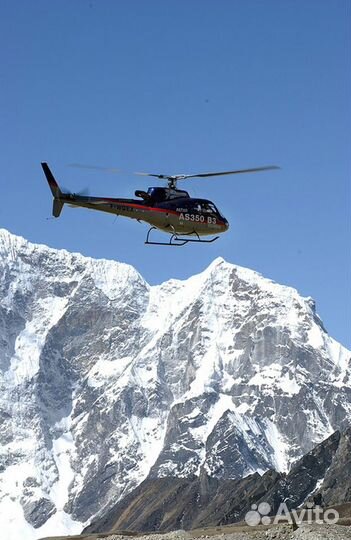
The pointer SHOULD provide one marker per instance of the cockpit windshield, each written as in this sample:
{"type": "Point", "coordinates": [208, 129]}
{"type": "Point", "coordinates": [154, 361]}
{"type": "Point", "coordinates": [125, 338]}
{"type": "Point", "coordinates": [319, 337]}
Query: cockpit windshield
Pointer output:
{"type": "Point", "coordinates": [207, 207]}
{"type": "Point", "coordinates": [210, 208]}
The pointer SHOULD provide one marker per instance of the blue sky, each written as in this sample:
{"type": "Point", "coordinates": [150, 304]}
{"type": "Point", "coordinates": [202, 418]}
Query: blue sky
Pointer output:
{"type": "Point", "coordinates": [181, 87]}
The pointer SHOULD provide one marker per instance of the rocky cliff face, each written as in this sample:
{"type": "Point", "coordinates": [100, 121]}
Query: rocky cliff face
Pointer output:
{"type": "Point", "coordinates": [166, 504]}
{"type": "Point", "coordinates": [105, 380]}
{"type": "Point", "coordinates": [335, 486]}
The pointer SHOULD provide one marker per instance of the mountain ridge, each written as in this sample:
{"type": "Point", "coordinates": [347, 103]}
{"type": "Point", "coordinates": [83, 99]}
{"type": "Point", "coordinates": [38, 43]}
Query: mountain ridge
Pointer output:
{"type": "Point", "coordinates": [105, 380]}
{"type": "Point", "coordinates": [166, 504]}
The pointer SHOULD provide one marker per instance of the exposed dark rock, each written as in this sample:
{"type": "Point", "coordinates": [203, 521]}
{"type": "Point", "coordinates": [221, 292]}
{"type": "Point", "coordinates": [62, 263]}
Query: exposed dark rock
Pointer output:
{"type": "Point", "coordinates": [37, 512]}
{"type": "Point", "coordinates": [165, 504]}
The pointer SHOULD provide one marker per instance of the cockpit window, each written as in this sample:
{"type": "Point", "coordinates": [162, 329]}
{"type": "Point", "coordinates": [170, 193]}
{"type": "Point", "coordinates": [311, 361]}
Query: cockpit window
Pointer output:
{"type": "Point", "coordinates": [208, 208]}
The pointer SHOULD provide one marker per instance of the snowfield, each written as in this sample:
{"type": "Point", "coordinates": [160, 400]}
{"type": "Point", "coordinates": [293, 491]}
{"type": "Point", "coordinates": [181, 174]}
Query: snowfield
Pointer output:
{"type": "Point", "coordinates": [105, 380]}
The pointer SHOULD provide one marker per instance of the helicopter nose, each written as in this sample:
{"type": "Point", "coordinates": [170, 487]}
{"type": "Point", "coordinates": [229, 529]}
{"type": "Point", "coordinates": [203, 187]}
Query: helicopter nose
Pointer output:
{"type": "Point", "coordinates": [226, 224]}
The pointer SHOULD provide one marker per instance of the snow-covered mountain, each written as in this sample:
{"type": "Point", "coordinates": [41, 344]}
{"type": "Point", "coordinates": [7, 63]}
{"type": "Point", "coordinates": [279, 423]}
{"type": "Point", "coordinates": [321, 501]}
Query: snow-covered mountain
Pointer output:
{"type": "Point", "coordinates": [106, 380]}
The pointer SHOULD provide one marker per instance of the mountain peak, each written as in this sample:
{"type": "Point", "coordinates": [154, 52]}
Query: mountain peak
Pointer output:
{"type": "Point", "coordinates": [109, 275]}
{"type": "Point", "coordinates": [217, 262]}
{"type": "Point", "coordinates": [249, 276]}
{"type": "Point", "coordinates": [10, 241]}
{"type": "Point", "coordinates": [105, 380]}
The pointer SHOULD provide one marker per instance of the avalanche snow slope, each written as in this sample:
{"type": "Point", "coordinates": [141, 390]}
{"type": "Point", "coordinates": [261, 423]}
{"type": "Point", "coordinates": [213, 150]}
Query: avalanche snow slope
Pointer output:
{"type": "Point", "coordinates": [105, 380]}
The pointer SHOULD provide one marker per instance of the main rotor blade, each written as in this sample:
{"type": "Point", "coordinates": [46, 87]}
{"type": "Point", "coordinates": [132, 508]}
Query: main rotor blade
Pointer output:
{"type": "Point", "coordinates": [112, 170]}
{"type": "Point", "coordinates": [222, 173]}
{"type": "Point", "coordinates": [205, 175]}
{"type": "Point", "coordinates": [109, 170]}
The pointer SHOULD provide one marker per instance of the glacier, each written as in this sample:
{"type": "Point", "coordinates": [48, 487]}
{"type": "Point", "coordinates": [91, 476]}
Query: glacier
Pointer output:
{"type": "Point", "coordinates": [106, 380]}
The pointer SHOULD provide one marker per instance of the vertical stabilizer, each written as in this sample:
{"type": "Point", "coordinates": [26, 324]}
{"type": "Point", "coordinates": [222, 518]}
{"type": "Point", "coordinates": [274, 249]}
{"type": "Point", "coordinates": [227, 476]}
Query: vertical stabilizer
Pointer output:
{"type": "Point", "coordinates": [55, 190]}
{"type": "Point", "coordinates": [57, 207]}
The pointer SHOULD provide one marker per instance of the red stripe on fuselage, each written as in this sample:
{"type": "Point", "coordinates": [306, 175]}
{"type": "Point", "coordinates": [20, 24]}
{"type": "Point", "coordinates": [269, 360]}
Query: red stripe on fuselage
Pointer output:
{"type": "Point", "coordinates": [141, 206]}
{"type": "Point", "coordinates": [153, 209]}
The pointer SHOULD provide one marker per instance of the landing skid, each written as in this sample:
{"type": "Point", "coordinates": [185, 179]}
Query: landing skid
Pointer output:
{"type": "Point", "coordinates": [177, 240]}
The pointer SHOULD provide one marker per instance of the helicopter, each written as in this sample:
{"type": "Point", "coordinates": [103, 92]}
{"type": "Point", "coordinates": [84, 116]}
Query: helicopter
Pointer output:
{"type": "Point", "coordinates": [169, 209]}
